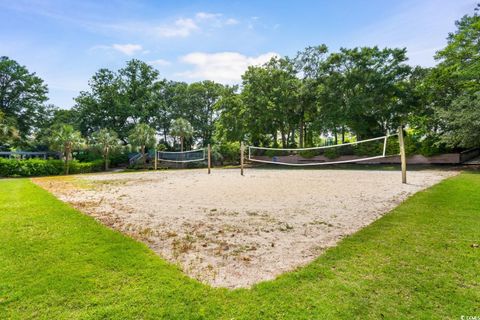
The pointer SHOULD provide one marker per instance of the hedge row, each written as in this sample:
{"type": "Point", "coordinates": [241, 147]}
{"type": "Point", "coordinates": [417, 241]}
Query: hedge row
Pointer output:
{"type": "Point", "coordinates": [37, 167]}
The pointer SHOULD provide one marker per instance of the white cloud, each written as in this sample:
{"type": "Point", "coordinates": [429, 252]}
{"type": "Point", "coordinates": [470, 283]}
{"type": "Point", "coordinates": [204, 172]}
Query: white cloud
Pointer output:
{"type": "Point", "coordinates": [160, 62]}
{"type": "Point", "coordinates": [128, 49]}
{"type": "Point", "coordinates": [222, 67]}
{"type": "Point", "coordinates": [207, 15]}
{"type": "Point", "coordinates": [231, 21]}
{"type": "Point", "coordinates": [181, 28]}
{"type": "Point", "coordinates": [214, 19]}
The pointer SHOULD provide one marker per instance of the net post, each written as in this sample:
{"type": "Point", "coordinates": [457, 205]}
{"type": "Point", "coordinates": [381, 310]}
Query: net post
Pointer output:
{"type": "Point", "coordinates": [209, 157]}
{"type": "Point", "coordinates": [242, 151]}
{"type": "Point", "coordinates": [402, 154]}
{"type": "Point", "coordinates": [156, 159]}
{"type": "Point", "coordinates": [385, 146]}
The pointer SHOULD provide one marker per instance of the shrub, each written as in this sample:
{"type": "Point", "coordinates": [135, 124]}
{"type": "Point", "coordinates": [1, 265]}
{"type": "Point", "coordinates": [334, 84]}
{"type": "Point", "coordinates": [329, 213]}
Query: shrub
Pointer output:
{"type": "Point", "coordinates": [307, 154]}
{"type": "Point", "coordinates": [226, 152]}
{"type": "Point", "coordinates": [331, 153]}
{"type": "Point", "coordinates": [430, 146]}
{"type": "Point", "coordinates": [118, 157]}
{"type": "Point", "coordinates": [89, 155]}
{"type": "Point", "coordinates": [38, 167]}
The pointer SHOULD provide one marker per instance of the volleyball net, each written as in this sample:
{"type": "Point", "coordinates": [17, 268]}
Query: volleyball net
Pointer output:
{"type": "Point", "coordinates": [182, 156]}
{"type": "Point", "coordinates": [351, 152]}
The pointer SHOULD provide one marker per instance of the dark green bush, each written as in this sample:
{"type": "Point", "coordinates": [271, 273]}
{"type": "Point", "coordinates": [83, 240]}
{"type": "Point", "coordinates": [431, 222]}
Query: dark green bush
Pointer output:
{"type": "Point", "coordinates": [308, 154]}
{"type": "Point", "coordinates": [226, 152]}
{"type": "Point", "coordinates": [430, 146]}
{"type": "Point", "coordinates": [331, 153]}
{"type": "Point", "coordinates": [89, 155]}
{"type": "Point", "coordinates": [38, 167]}
{"type": "Point", "coordinates": [117, 156]}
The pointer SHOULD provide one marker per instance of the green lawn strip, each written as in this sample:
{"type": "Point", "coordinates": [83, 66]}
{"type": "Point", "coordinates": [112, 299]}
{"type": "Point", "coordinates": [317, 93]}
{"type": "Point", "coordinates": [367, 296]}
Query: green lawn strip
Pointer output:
{"type": "Point", "coordinates": [416, 262]}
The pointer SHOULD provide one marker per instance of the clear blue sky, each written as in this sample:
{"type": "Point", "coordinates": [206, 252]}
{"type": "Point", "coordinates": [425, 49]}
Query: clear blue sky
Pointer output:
{"type": "Point", "coordinates": [65, 42]}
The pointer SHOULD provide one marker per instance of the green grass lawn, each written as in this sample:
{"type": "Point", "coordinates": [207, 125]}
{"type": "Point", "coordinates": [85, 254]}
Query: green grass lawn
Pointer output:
{"type": "Point", "coordinates": [417, 262]}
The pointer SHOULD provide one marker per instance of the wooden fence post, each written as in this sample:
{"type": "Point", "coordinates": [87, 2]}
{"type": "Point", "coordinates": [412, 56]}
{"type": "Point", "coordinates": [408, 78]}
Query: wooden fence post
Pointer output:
{"type": "Point", "coordinates": [209, 159]}
{"type": "Point", "coordinates": [402, 154]}
{"type": "Point", "coordinates": [156, 159]}
{"type": "Point", "coordinates": [242, 151]}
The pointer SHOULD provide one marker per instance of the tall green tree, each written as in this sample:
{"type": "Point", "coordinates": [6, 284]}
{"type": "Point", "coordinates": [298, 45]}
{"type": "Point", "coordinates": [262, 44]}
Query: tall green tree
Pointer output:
{"type": "Point", "coordinates": [138, 81]}
{"type": "Point", "coordinates": [142, 136]}
{"type": "Point", "coordinates": [182, 129]}
{"type": "Point", "coordinates": [270, 96]}
{"type": "Point", "coordinates": [65, 139]}
{"type": "Point", "coordinates": [368, 86]}
{"type": "Point", "coordinates": [232, 122]}
{"type": "Point", "coordinates": [106, 140]}
{"type": "Point", "coordinates": [119, 100]}
{"type": "Point", "coordinates": [455, 83]}
{"type": "Point", "coordinates": [102, 106]}
{"type": "Point", "coordinates": [202, 97]}
{"type": "Point", "coordinates": [8, 131]}
{"type": "Point", "coordinates": [310, 65]}
{"type": "Point", "coordinates": [22, 94]}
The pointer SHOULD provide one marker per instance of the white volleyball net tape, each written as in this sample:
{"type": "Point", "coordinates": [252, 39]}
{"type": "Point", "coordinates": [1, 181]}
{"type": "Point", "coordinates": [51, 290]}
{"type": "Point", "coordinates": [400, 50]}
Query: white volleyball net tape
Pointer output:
{"type": "Point", "coordinates": [351, 152]}
{"type": "Point", "coordinates": [182, 156]}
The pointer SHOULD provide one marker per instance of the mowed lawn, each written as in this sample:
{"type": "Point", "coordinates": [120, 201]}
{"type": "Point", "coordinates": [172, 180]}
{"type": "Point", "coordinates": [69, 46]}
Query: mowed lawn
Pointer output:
{"type": "Point", "coordinates": [420, 261]}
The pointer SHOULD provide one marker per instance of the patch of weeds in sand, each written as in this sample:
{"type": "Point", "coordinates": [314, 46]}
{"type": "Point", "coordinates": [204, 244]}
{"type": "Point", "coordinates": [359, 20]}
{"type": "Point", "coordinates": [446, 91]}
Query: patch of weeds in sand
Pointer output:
{"type": "Point", "coordinates": [285, 226]}
{"type": "Point", "coordinates": [321, 222]}
{"type": "Point", "coordinates": [221, 248]}
{"type": "Point", "coordinates": [171, 234]}
{"type": "Point", "coordinates": [182, 245]}
{"type": "Point", "coordinates": [216, 212]}
{"type": "Point", "coordinates": [147, 232]}
{"type": "Point", "coordinates": [242, 249]}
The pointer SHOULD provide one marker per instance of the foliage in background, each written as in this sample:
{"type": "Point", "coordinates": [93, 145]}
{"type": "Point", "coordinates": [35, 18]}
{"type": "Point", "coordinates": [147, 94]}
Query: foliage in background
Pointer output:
{"type": "Point", "coordinates": [142, 137]}
{"type": "Point", "coordinates": [8, 132]}
{"type": "Point", "coordinates": [22, 96]}
{"type": "Point", "coordinates": [106, 140]}
{"type": "Point", "coordinates": [65, 139]}
{"type": "Point", "coordinates": [456, 84]}
{"type": "Point", "coordinates": [226, 153]}
{"type": "Point", "coordinates": [182, 129]}
{"type": "Point", "coordinates": [292, 102]}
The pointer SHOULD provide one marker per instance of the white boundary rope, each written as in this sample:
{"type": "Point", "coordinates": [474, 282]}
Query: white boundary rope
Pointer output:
{"type": "Point", "coordinates": [385, 138]}
{"type": "Point", "coordinates": [182, 152]}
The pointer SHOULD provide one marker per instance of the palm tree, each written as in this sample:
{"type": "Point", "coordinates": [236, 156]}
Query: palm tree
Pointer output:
{"type": "Point", "coordinates": [181, 128]}
{"type": "Point", "coordinates": [142, 136]}
{"type": "Point", "coordinates": [64, 139]}
{"type": "Point", "coordinates": [105, 140]}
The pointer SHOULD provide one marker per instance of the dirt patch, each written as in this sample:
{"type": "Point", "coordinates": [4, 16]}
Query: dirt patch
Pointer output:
{"type": "Point", "coordinates": [233, 231]}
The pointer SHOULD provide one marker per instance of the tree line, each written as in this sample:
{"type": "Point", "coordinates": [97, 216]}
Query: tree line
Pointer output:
{"type": "Point", "coordinates": [294, 101]}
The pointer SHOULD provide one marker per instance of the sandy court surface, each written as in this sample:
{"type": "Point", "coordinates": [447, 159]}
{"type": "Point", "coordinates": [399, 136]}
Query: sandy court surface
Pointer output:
{"type": "Point", "coordinates": [234, 231]}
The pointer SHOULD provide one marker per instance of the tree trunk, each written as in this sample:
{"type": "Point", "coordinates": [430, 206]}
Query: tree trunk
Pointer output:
{"type": "Point", "coordinates": [181, 144]}
{"type": "Point", "coordinates": [66, 165]}
{"type": "Point", "coordinates": [301, 137]}
{"type": "Point", "coordinates": [67, 155]}
{"type": "Point", "coordinates": [143, 157]}
{"type": "Point", "coordinates": [106, 159]}
{"type": "Point", "coordinates": [343, 134]}
{"type": "Point", "coordinates": [335, 134]}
